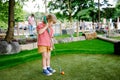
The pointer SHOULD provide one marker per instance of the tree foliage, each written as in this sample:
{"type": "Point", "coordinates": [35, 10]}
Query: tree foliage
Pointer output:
{"type": "Point", "coordinates": [109, 12]}
{"type": "Point", "coordinates": [19, 13]}
{"type": "Point", "coordinates": [14, 13]}
{"type": "Point", "coordinates": [78, 9]}
{"type": "Point", "coordinates": [69, 8]}
{"type": "Point", "coordinates": [117, 13]}
{"type": "Point", "coordinates": [3, 14]}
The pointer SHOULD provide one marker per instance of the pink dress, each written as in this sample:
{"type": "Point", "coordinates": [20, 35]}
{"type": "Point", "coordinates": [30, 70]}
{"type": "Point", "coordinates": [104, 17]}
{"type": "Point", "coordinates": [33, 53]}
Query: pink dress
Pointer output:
{"type": "Point", "coordinates": [44, 39]}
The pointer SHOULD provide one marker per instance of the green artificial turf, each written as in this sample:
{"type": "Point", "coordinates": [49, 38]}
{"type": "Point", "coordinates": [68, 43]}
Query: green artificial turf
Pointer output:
{"type": "Point", "coordinates": [14, 59]}
{"type": "Point", "coordinates": [76, 67]}
{"type": "Point", "coordinates": [88, 46]}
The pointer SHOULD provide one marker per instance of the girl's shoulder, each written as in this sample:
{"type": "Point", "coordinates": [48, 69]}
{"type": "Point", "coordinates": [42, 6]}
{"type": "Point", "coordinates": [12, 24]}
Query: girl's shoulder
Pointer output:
{"type": "Point", "coordinates": [40, 24]}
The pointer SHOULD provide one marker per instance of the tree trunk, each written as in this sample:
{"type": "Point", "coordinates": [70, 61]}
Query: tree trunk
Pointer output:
{"type": "Point", "coordinates": [70, 12]}
{"type": "Point", "coordinates": [45, 6]}
{"type": "Point", "coordinates": [70, 17]}
{"type": "Point", "coordinates": [99, 13]}
{"type": "Point", "coordinates": [11, 22]}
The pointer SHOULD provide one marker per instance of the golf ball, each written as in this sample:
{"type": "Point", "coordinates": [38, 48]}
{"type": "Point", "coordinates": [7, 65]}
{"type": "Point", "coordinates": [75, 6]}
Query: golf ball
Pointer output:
{"type": "Point", "coordinates": [62, 73]}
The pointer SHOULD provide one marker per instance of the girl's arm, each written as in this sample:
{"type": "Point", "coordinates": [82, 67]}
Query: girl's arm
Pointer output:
{"type": "Point", "coordinates": [42, 30]}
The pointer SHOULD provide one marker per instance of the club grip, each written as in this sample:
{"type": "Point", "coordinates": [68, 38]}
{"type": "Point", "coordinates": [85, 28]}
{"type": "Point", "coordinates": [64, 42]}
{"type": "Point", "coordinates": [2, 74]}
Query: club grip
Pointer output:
{"type": "Point", "coordinates": [45, 19]}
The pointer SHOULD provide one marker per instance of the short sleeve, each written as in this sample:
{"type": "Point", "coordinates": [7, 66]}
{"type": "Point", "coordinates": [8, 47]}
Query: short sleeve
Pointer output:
{"type": "Point", "coordinates": [39, 26]}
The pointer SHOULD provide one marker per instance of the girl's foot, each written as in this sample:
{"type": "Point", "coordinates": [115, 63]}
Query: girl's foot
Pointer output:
{"type": "Point", "coordinates": [51, 70]}
{"type": "Point", "coordinates": [46, 72]}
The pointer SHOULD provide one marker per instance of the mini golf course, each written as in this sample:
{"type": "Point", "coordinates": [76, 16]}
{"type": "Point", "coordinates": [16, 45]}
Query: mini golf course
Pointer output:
{"type": "Point", "coordinates": [82, 60]}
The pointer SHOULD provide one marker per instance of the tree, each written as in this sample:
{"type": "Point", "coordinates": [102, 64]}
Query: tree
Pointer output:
{"type": "Point", "coordinates": [19, 13]}
{"type": "Point", "coordinates": [85, 11]}
{"type": "Point", "coordinates": [76, 8]}
{"type": "Point", "coordinates": [11, 21]}
{"type": "Point", "coordinates": [109, 12]}
{"type": "Point", "coordinates": [61, 17]}
{"type": "Point", "coordinates": [3, 14]}
{"type": "Point", "coordinates": [69, 7]}
{"type": "Point", "coordinates": [84, 14]}
{"type": "Point", "coordinates": [64, 5]}
{"type": "Point", "coordinates": [117, 8]}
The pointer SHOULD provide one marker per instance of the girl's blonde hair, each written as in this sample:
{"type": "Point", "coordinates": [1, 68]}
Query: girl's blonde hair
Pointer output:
{"type": "Point", "coordinates": [51, 17]}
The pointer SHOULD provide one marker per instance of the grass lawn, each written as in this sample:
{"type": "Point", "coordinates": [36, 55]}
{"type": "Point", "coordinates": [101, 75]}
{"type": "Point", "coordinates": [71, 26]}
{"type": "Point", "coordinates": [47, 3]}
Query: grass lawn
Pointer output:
{"type": "Point", "coordinates": [88, 46]}
{"type": "Point", "coordinates": [76, 67]}
{"type": "Point", "coordinates": [99, 62]}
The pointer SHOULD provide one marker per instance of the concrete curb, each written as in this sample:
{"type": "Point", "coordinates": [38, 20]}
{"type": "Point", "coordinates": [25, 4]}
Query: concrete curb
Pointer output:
{"type": "Point", "coordinates": [107, 39]}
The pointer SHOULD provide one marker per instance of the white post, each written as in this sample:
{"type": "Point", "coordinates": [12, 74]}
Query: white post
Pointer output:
{"type": "Point", "coordinates": [77, 31]}
{"type": "Point", "coordinates": [60, 28]}
{"type": "Point", "coordinates": [17, 29]}
{"type": "Point", "coordinates": [117, 22]}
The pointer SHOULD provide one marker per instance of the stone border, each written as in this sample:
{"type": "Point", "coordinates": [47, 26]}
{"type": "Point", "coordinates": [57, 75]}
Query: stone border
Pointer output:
{"type": "Point", "coordinates": [9, 48]}
{"type": "Point", "coordinates": [64, 40]}
{"type": "Point", "coordinates": [29, 46]}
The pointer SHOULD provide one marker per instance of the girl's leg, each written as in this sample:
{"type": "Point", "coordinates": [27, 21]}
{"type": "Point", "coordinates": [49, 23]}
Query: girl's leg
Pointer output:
{"type": "Point", "coordinates": [48, 63]}
{"type": "Point", "coordinates": [48, 59]}
{"type": "Point", "coordinates": [44, 60]}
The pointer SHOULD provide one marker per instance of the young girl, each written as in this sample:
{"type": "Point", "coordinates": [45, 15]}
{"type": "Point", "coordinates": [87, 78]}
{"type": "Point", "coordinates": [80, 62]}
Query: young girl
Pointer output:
{"type": "Point", "coordinates": [45, 34]}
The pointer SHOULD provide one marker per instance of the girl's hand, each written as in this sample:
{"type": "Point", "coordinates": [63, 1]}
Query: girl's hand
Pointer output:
{"type": "Point", "coordinates": [43, 29]}
{"type": "Point", "coordinates": [51, 48]}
